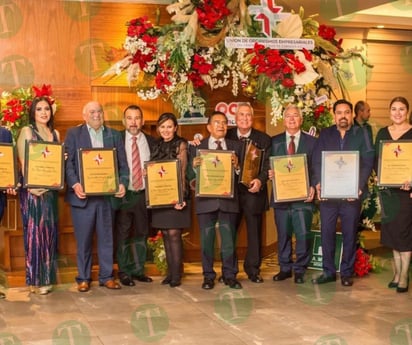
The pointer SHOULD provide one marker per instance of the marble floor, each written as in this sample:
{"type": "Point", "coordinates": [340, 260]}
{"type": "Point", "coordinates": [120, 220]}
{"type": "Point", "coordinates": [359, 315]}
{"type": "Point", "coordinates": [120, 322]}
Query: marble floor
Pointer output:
{"type": "Point", "coordinates": [270, 313]}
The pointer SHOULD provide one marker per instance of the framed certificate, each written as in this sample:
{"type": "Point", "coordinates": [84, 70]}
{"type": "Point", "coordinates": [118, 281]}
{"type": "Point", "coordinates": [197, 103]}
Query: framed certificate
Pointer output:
{"type": "Point", "coordinates": [290, 177]}
{"type": "Point", "coordinates": [163, 183]}
{"type": "Point", "coordinates": [43, 165]}
{"type": "Point", "coordinates": [340, 175]}
{"type": "Point", "coordinates": [8, 166]}
{"type": "Point", "coordinates": [395, 163]}
{"type": "Point", "coordinates": [252, 163]}
{"type": "Point", "coordinates": [98, 171]}
{"type": "Point", "coordinates": [215, 176]}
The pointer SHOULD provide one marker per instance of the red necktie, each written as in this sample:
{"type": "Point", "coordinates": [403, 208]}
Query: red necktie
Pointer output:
{"type": "Point", "coordinates": [218, 145]}
{"type": "Point", "coordinates": [137, 180]}
{"type": "Point", "coordinates": [291, 147]}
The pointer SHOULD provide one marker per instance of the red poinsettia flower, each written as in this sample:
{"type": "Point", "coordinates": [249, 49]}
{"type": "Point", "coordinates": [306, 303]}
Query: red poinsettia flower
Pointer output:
{"type": "Point", "coordinates": [210, 12]}
{"type": "Point", "coordinates": [326, 32]}
{"type": "Point", "coordinates": [138, 26]}
{"type": "Point", "coordinates": [44, 91]}
{"type": "Point", "coordinates": [200, 64]}
{"type": "Point", "coordinates": [196, 79]}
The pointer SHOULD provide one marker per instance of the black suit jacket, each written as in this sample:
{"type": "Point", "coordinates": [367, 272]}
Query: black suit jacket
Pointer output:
{"type": "Point", "coordinates": [129, 200]}
{"type": "Point", "coordinates": [256, 202]}
{"type": "Point", "coordinates": [79, 137]}
{"type": "Point", "coordinates": [306, 145]}
{"type": "Point", "coordinates": [205, 204]}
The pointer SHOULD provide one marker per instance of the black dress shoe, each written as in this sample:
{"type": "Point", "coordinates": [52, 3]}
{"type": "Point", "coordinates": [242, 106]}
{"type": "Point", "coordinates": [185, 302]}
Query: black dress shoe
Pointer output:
{"type": "Point", "coordinates": [403, 289]}
{"type": "Point", "coordinates": [166, 281]}
{"type": "Point", "coordinates": [282, 276]}
{"type": "Point", "coordinates": [346, 281]}
{"type": "Point", "coordinates": [175, 283]}
{"type": "Point", "coordinates": [2, 295]}
{"type": "Point", "coordinates": [221, 280]}
{"type": "Point", "coordinates": [256, 278]}
{"type": "Point", "coordinates": [393, 285]}
{"type": "Point", "coordinates": [143, 278]}
{"type": "Point", "coordinates": [208, 284]}
{"type": "Point", "coordinates": [233, 283]}
{"type": "Point", "coordinates": [299, 278]}
{"type": "Point", "coordinates": [323, 279]}
{"type": "Point", "coordinates": [126, 281]}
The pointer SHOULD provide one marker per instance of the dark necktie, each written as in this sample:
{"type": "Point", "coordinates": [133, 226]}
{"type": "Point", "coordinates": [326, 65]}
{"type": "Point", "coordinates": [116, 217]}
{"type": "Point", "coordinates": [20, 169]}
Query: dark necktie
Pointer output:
{"type": "Point", "coordinates": [218, 145]}
{"type": "Point", "coordinates": [291, 147]}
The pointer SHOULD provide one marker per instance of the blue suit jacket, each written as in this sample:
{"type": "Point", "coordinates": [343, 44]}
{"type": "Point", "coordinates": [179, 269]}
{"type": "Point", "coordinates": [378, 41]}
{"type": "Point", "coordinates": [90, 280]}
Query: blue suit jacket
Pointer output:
{"type": "Point", "coordinates": [78, 137]}
{"type": "Point", "coordinates": [206, 205]}
{"type": "Point", "coordinates": [356, 139]}
{"type": "Point", "coordinates": [306, 145]}
{"type": "Point", "coordinates": [5, 137]}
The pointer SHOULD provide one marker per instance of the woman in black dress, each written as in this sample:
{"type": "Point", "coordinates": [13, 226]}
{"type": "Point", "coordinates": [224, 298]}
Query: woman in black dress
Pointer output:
{"type": "Point", "coordinates": [396, 231]}
{"type": "Point", "coordinates": [171, 221]}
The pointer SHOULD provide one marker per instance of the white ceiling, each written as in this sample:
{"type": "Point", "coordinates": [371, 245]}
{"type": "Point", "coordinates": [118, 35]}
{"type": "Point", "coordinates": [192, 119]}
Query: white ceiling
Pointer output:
{"type": "Point", "coordinates": [357, 13]}
{"type": "Point", "coordinates": [393, 14]}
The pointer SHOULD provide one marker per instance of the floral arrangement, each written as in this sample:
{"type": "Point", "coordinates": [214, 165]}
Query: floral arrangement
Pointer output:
{"type": "Point", "coordinates": [15, 106]}
{"type": "Point", "coordinates": [363, 263]}
{"type": "Point", "coordinates": [178, 60]}
{"type": "Point", "coordinates": [371, 207]}
{"type": "Point", "coordinates": [156, 244]}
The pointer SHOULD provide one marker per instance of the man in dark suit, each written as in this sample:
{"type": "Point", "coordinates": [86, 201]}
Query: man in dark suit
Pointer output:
{"type": "Point", "coordinates": [293, 217]}
{"type": "Point", "coordinates": [211, 210]}
{"type": "Point", "coordinates": [131, 215]}
{"type": "Point", "coordinates": [343, 136]}
{"type": "Point", "coordinates": [93, 213]}
{"type": "Point", "coordinates": [5, 137]}
{"type": "Point", "coordinates": [362, 114]}
{"type": "Point", "coordinates": [253, 200]}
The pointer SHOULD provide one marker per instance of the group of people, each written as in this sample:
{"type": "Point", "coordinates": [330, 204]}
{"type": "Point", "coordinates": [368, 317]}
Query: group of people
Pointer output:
{"type": "Point", "coordinates": [121, 222]}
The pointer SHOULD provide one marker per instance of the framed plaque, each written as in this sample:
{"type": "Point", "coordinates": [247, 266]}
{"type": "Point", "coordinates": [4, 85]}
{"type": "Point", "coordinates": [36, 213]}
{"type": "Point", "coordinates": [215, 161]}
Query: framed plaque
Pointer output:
{"type": "Point", "coordinates": [215, 176]}
{"type": "Point", "coordinates": [8, 166]}
{"type": "Point", "coordinates": [395, 163]}
{"type": "Point", "coordinates": [43, 165]}
{"type": "Point", "coordinates": [290, 177]}
{"type": "Point", "coordinates": [340, 175]}
{"type": "Point", "coordinates": [163, 183]}
{"type": "Point", "coordinates": [98, 171]}
{"type": "Point", "coordinates": [252, 163]}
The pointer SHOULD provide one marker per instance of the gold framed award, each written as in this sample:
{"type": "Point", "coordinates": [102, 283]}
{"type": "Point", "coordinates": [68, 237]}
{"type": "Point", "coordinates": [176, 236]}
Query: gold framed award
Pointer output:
{"type": "Point", "coordinates": [215, 175]}
{"type": "Point", "coordinates": [163, 183]}
{"type": "Point", "coordinates": [8, 166]}
{"type": "Point", "coordinates": [340, 175]}
{"type": "Point", "coordinates": [43, 165]}
{"type": "Point", "coordinates": [99, 171]}
{"type": "Point", "coordinates": [290, 177]}
{"type": "Point", "coordinates": [252, 163]}
{"type": "Point", "coordinates": [395, 163]}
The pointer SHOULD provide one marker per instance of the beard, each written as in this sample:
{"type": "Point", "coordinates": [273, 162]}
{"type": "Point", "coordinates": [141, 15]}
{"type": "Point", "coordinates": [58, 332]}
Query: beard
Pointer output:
{"type": "Point", "coordinates": [343, 124]}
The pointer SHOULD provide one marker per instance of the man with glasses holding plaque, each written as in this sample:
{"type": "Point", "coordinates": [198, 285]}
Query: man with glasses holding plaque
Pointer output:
{"type": "Point", "coordinates": [293, 217]}
{"type": "Point", "coordinates": [343, 136]}
{"type": "Point", "coordinates": [253, 200]}
{"type": "Point", "coordinates": [213, 210]}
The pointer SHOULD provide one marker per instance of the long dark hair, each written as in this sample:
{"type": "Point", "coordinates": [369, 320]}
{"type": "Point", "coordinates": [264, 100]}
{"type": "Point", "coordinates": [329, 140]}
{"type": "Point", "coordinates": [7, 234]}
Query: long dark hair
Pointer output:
{"type": "Point", "coordinates": [32, 113]}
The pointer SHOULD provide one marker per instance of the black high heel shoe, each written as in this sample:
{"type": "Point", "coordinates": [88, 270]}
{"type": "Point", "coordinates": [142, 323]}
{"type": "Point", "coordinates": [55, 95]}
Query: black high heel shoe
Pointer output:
{"type": "Point", "coordinates": [403, 289]}
{"type": "Point", "coordinates": [393, 285]}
